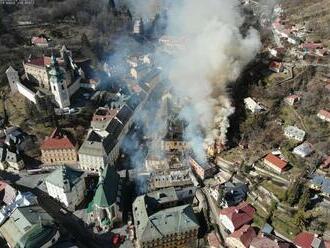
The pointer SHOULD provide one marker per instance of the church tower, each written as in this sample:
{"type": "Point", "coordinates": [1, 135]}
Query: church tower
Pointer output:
{"type": "Point", "coordinates": [58, 84]}
{"type": "Point", "coordinates": [13, 78]}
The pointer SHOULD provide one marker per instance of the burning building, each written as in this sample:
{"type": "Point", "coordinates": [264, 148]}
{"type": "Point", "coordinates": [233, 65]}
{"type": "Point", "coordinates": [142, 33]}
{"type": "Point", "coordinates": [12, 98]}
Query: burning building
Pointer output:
{"type": "Point", "coordinates": [202, 170]}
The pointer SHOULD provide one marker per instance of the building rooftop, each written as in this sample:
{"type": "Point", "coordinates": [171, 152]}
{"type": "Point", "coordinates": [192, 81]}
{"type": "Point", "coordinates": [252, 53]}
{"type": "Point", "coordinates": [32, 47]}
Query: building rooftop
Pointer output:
{"type": "Point", "coordinates": [106, 190]}
{"type": "Point", "coordinates": [161, 223]}
{"type": "Point", "coordinates": [324, 113]}
{"type": "Point", "coordinates": [29, 226]}
{"type": "Point", "coordinates": [304, 149]}
{"type": "Point", "coordinates": [245, 235]}
{"type": "Point", "coordinates": [281, 164]}
{"type": "Point", "coordinates": [322, 182]}
{"type": "Point", "coordinates": [7, 193]}
{"type": "Point", "coordinates": [43, 61]}
{"type": "Point", "coordinates": [57, 140]}
{"type": "Point", "coordinates": [239, 215]}
{"type": "Point", "coordinates": [262, 241]}
{"type": "Point", "coordinates": [307, 240]}
{"type": "Point", "coordinates": [64, 176]}
{"type": "Point", "coordinates": [294, 131]}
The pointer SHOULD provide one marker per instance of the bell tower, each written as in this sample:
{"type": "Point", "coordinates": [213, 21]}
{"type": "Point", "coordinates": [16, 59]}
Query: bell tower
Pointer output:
{"type": "Point", "coordinates": [58, 84]}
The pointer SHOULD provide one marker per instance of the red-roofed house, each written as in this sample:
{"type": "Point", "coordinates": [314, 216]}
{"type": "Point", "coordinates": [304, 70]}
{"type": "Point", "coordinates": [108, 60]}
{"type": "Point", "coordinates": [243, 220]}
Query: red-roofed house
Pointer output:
{"type": "Point", "coordinates": [275, 163]}
{"type": "Point", "coordinates": [324, 115]}
{"type": "Point", "coordinates": [235, 217]}
{"type": "Point", "coordinates": [7, 193]}
{"type": "Point", "coordinates": [326, 163]}
{"type": "Point", "coordinates": [276, 66]}
{"type": "Point", "coordinates": [58, 149]}
{"type": "Point", "coordinates": [308, 240]}
{"type": "Point", "coordinates": [213, 240]}
{"type": "Point", "coordinates": [327, 87]}
{"type": "Point", "coordinates": [39, 41]}
{"type": "Point", "coordinates": [266, 242]}
{"type": "Point", "coordinates": [292, 99]}
{"type": "Point", "coordinates": [327, 243]}
{"type": "Point", "coordinates": [36, 70]}
{"type": "Point", "coordinates": [241, 238]}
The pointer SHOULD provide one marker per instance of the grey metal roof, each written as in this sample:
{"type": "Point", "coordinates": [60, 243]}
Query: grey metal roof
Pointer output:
{"type": "Point", "coordinates": [151, 224]}
{"type": "Point", "coordinates": [29, 226]}
{"type": "Point", "coordinates": [64, 176]}
{"type": "Point", "coordinates": [322, 182]}
{"type": "Point", "coordinates": [168, 221]}
{"type": "Point", "coordinates": [13, 157]}
{"type": "Point", "coordinates": [93, 145]}
{"type": "Point", "coordinates": [124, 114]}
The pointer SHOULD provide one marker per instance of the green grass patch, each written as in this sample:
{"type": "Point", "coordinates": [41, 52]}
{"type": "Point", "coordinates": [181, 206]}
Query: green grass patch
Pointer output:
{"type": "Point", "coordinates": [277, 190]}
{"type": "Point", "coordinates": [283, 223]}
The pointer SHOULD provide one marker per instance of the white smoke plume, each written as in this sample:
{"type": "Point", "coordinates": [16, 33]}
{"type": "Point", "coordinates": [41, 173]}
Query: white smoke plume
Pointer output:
{"type": "Point", "coordinates": [215, 54]}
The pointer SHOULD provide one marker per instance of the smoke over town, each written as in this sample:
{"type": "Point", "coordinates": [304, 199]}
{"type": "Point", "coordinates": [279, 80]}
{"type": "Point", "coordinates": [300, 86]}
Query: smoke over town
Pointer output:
{"type": "Point", "coordinates": [214, 55]}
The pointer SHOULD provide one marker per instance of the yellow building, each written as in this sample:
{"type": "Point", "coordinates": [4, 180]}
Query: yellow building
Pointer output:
{"type": "Point", "coordinates": [58, 149]}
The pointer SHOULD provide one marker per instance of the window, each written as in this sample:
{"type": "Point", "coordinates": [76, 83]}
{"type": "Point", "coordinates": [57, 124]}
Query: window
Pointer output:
{"type": "Point", "coordinates": [62, 87]}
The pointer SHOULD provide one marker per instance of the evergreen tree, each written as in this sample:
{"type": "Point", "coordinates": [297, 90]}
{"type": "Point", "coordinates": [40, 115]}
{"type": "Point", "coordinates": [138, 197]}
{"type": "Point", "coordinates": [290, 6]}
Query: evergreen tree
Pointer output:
{"type": "Point", "coordinates": [293, 192]}
{"type": "Point", "coordinates": [304, 199]}
{"type": "Point", "coordinates": [84, 41]}
{"type": "Point", "coordinates": [300, 220]}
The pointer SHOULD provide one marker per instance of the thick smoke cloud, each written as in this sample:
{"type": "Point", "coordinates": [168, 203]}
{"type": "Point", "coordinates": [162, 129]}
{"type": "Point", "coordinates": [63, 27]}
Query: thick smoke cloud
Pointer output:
{"type": "Point", "coordinates": [215, 54]}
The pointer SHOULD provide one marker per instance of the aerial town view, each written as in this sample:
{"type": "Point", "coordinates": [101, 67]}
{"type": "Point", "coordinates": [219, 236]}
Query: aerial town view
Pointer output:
{"type": "Point", "coordinates": [165, 123]}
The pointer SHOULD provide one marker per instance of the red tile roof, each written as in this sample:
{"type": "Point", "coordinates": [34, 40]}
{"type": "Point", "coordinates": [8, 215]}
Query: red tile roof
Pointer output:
{"type": "Point", "coordinates": [265, 242]}
{"type": "Point", "coordinates": [245, 235]}
{"type": "Point", "coordinates": [275, 65]}
{"type": "Point", "coordinates": [327, 243]}
{"type": "Point", "coordinates": [43, 61]}
{"type": "Point", "coordinates": [276, 161]}
{"type": "Point", "coordinates": [3, 185]}
{"type": "Point", "coordinates": [39, 40]}
{"type": "Point", "coordinates": [324, 113]}
{"type": "Point", "coordinates": [7, 193]}
{"type": "Point", "coordinates": [312, 46]}
{"type": "Point", "coordinates": [239, 215]}
{"type": "Point", "coordinates": [213, 240]}
{"type": "Point", "coordinates": [304, 239]}
{"type": "Point", "coordinates": [57, 141]}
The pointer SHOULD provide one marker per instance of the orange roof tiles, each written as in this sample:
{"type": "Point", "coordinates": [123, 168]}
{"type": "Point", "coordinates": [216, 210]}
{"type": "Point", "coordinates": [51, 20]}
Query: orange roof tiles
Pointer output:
{"type": "Point", "coordinates": [281, 164]}
{"type": "Point", "coordinates": [57, 141]}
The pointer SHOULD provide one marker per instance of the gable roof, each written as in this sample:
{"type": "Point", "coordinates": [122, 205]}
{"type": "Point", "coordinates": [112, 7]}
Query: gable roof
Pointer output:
{"type": "Point", "coordinates": [239, 215]}
{"type": "Point", "coordinates": [57, 141]}
{"type": "Point", "coordinates": [245, 235]}
{"type": "Point", "coordinates": [161, 223]}
{"type": "Point", "coordinates": [107, 188]}
{"type": "Point", "coordinates": [307, 240]}
{"type": "Point", "coordinates": [324, 113]}
{"type": "Point", "coordinates": [322, 182]}
{"type": "Point", "coordinates": [263, 241]}
{"type": "Point", "coordinates": [276, 161]}
{"type": "Point", "coordinates": [7, 193]}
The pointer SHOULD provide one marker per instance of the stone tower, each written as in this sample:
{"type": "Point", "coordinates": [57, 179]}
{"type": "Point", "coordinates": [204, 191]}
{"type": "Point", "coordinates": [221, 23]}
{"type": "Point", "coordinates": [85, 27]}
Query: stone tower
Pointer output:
{"type": "Point", "coordinates": [13, 78]}
{"type": "Point", "coordinates": [138, 28]}
{"type": "Point", "coordinates": [58, 84]}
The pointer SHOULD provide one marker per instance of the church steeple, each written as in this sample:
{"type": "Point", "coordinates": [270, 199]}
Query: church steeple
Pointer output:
{"type": "Point", "coordinates": [58, 83]}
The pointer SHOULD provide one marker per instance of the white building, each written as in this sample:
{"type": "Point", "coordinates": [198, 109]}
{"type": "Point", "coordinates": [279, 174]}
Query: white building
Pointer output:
{"type": "Point", "coordinates": [324, 115]}
{"type": "Point", "coordinates": [303, 150]}
{"type": "Point", "coordinates": [66, 185]}
{"type": "Point", "coordinates": [235, 217]}
{"type": "Point", "coordinates": [252, 105]}
{"type": "Point", "coordinates": [138, 26]}
{"type": "Point", "coordinates": [13, 78]}
{"type": "Point", "coordinates": [293, 132]}
{"type": "Point", "coordinates": [58, 84]}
